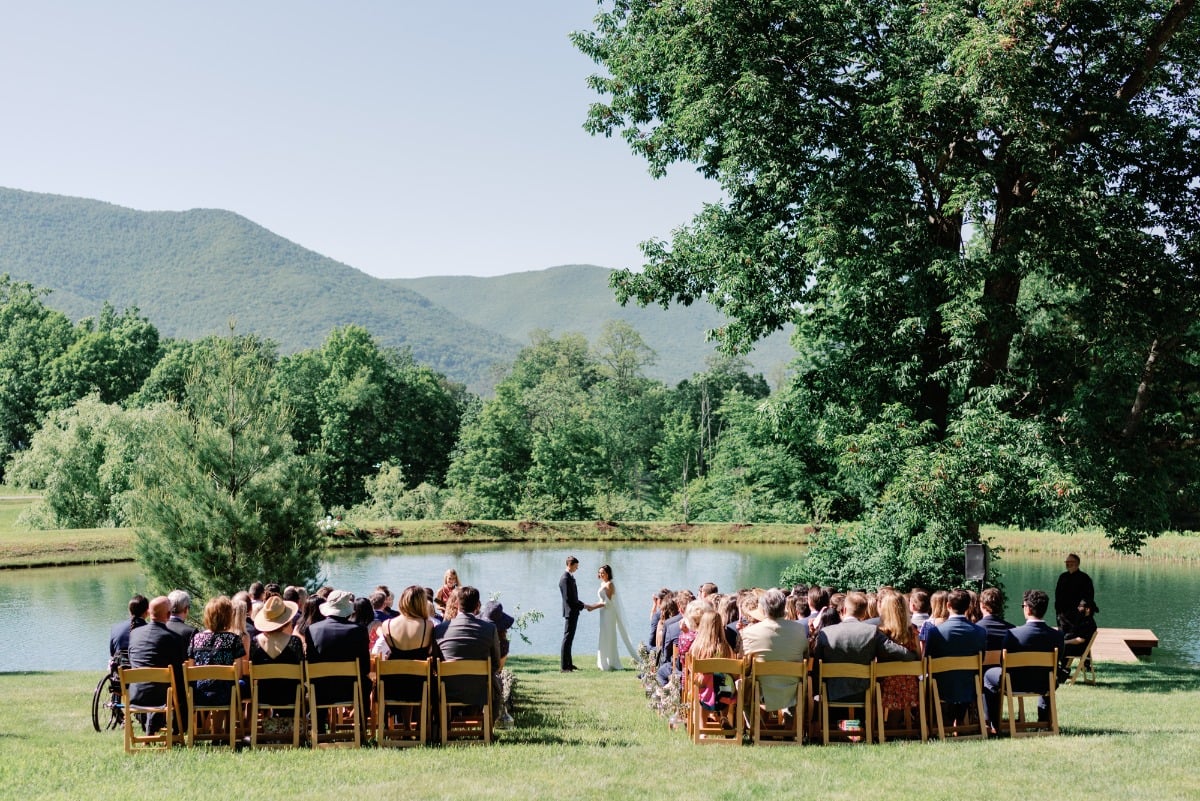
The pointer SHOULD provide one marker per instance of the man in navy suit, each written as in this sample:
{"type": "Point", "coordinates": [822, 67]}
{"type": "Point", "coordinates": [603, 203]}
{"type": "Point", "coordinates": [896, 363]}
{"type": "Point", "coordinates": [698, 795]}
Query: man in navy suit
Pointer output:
{"type": "Point", "coordinates": [957, 636]}
{"type": "Point", "coordinates": [1035, 635]}
{"type": "Point", "coordinates": [571, 607]}
{"type": "Point", "coordinates": [991, 601]}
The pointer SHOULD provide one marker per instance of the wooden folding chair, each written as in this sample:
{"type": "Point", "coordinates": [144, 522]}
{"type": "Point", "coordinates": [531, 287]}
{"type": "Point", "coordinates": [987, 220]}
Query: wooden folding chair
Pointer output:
{"type": "Point", "coordinates": [713, 726]}
{"type": "Point", "coordinates": [1082, 663]}
{"type": "Point", "coordinates": [779, 727]}
{"type": "Point", "coordinates": [847, 670]}
{"type": "Point", "coordinates": [909, 727]}
{"type": "Point", "coordinates": [343, 716]}
{"type": "Point", "coordinates": [991, 659]}
{"type": "Point", "coordinates": [411, 724]}
{"type": "Point", "coordinates": [1027, 662]}
{"type": "Point", "coordinates": [212, 722]}
{"type": "Point", "coordinates": [263, 717]}
{"type": "Point", "coordinates": [966, 728]}
{"type": "Point", "coordinates": [164, 738]}
{"type": "Point", "coordinates": [459, 721]}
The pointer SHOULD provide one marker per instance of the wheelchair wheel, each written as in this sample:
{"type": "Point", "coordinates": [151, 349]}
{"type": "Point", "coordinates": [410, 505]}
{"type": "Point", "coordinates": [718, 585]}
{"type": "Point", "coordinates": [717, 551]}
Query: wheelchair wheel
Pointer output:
{"type": "Point", "coordinates": [98, 698]}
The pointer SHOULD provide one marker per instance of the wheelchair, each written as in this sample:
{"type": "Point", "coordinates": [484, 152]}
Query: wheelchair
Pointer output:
{"type": "Point", "coordinates": [108, 713]}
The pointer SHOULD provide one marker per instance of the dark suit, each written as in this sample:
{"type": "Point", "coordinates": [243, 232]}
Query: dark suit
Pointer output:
{"type": "Point", "coordinates": [1037, 636]}
{"type": "Point", "coordinates": [666, 652]}
{"type": "Point", "coordinates": [182, 630]}
{"type": "Point", "coordinates": [996, 629]}
{"type": "Point", "coordinates": [155, 645]}
{"type": "Point", "coordinates": [118, 638]}
{"type": "Point", "coordinates": [956, 637]}
{"type": "Point", "coordinates": [1069, 591]}
{"type": "Point", "coordinates": [856, 642]}
{"type": "Point", "coordinates": [571, 607]}
{"type": "Point", "coordinates": [336, 639]}
{"type": "Point", "coordinates": [466, 636]}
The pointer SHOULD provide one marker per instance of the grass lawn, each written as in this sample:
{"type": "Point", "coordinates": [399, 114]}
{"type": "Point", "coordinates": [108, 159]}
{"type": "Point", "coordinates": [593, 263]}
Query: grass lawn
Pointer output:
{"type": "Point", "coordinates": [590, 735]}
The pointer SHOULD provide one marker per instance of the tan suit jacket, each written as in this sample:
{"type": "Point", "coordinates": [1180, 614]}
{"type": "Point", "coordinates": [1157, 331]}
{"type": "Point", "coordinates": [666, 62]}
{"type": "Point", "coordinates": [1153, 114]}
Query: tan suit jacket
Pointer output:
{"type": "Point", "coordinates": [776, 641]}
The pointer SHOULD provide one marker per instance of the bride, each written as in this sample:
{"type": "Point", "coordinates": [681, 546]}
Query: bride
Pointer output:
{"type": "Point", "coordinates": [609, 656]}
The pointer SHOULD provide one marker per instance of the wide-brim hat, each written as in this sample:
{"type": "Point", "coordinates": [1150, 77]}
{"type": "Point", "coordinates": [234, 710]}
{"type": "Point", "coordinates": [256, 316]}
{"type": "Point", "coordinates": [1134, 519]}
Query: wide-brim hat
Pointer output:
{"type": "Point", "coordinates": [275, 614]}
{"type": "Point", "coordinates": [339, 604]}
{"type": "Point", "coordinates": [494, 611]}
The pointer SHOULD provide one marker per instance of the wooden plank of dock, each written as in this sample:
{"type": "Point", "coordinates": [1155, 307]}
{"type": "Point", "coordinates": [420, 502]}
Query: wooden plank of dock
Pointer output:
{"type": "Point", "coordinates": [1122, 645]}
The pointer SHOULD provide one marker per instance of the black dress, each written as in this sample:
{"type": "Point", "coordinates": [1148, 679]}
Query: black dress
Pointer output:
{"type": "Point", "coordinates": [406, 688]}
{"type": "Point", "coordinates": [277, 692]}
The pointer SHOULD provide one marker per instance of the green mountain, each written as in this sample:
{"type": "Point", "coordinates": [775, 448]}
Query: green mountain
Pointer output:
{"type": "Point", "coordinates": [577, 297]}
{"type": "Point", "coordinates": [191, 272]}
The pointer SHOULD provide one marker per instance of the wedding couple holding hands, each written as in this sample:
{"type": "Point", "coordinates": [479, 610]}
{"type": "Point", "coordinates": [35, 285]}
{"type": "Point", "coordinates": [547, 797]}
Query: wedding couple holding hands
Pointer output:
{"type": "Point", "coordinates": [608, 655]}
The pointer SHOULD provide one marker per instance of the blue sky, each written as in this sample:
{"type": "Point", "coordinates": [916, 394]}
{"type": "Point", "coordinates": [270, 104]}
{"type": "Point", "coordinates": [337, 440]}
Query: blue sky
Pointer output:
{"type": "Point", "coordinates": [402, 138]}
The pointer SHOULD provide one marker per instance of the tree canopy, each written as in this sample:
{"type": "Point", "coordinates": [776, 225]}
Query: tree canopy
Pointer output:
{"type": "Point", "coordinates": [982, 218]}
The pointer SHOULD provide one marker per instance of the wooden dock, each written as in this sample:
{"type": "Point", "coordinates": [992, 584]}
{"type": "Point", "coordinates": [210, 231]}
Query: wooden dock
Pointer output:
{"type": "Point", "coordinates": [1122, 645]}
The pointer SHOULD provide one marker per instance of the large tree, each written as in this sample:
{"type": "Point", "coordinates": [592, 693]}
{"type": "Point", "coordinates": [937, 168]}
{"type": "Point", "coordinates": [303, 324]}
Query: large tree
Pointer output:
{"type": "Point", "coordinates": [984, 214]}
{"type": "Point", "coordinates": [220, 496]}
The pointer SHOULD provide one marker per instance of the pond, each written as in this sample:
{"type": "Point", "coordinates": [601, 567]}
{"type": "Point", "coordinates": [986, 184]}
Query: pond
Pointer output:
{"type": "Point", "coordinates": [72, 609]}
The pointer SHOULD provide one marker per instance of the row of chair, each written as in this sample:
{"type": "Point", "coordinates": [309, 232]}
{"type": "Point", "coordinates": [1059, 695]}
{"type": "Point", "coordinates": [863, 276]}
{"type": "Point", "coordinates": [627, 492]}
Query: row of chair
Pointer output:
{"type": "Point", "coordinates": [392, 723]}
{"type": "Point", "coordinates": [812, 713]}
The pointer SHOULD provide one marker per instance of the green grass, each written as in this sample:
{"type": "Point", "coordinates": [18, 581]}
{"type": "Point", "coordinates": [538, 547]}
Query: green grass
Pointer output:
{"type": "Point", "coordinates": [590, 735]}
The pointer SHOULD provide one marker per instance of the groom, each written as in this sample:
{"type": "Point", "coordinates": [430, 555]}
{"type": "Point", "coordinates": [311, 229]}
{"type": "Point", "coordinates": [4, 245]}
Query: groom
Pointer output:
{"type": "Point", "coordinates": [571, 607]}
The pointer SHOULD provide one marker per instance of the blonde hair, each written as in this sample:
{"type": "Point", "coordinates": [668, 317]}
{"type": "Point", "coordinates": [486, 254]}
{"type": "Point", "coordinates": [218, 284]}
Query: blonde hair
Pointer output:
{"type": "Point", "coordinates": [938, 603]}
{"type": "Point", "coordinates": [895, 622]}
{"type": "Point", "coordinates": [710, 640]}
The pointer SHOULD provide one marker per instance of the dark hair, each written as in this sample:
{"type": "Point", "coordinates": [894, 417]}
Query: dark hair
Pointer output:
{"type": "Point", "coordinates": [607, 571]}
{"type": "Point", "coordinates": [828, 617]}
{"type": "Point", "coordinates": [364, 613]}
{"type": "Point", "coordinates": [273, 588]}
{"type": "Point", "coordinates": [310, 614]}
{"type": "Point", "coordinates": [1038, 602]}
{"type": "Point", "coordinates": [992, 600]}
{"type": "Point", "coordinates": [291, 593]}
{"type": "Point", "coordinates": [818, 598]}
{"type": "Point", "coordinates": [378, 599]}
{"type": "Point", "coordinates": [468, 599]}
{"type": "Point", "coordinates": [571, 560]}
{"type": "Point", "coordinates": [959, 600]}
{"type": "Point", "coordinates": [138, 606]}
{"type": "Point", "coordinates": [256, 591]}
{"type": "Point", "coordinates": [918, 597]}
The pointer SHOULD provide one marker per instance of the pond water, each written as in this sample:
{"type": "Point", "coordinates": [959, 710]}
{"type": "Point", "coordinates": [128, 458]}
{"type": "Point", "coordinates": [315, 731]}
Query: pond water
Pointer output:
{"type": "Point", "coordinates": [59, 618]}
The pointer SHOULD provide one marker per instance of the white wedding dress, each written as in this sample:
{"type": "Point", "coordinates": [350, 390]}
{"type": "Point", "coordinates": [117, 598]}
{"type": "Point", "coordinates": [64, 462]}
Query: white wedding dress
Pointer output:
{"type": "Point", "coordinates": [608, 657]}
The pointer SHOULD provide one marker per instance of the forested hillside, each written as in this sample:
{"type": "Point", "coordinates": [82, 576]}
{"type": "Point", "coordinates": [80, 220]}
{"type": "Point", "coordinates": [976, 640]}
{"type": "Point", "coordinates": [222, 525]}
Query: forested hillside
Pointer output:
{"type": "Point", "coordinates": [191, 272]}
{"type": "Point", "coordinates": [577, 297]}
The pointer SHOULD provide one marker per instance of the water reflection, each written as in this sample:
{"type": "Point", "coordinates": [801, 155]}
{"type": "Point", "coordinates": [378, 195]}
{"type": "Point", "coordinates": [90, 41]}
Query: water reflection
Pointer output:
{"type": "Point", "coordinates": [72, 609]}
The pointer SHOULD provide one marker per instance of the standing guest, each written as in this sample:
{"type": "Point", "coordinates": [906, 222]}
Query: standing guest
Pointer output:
{"type": "Point", "coordinates": [338, 639]}
{"type": "Point", "coordinates": [571, 607]}
{"type": "Point", "coordinates": [181, 607]}
{"type": "Point", "coordinates": [774, 638]}
{"type": "Point", "coordinates": [449, 584]}
{"type": "Point", "coordinates": [1073, 586]}
{"type": "Point", "coordinates": [155, 645]}
{"type": "Point", "coordinates": [118, 639]}
{"type": "Point", "coordinates": [1035, 635]}
{"type": "Point", "coordinates": [991, 603]}
{"type": "Point", "coordinates": [218, 644]}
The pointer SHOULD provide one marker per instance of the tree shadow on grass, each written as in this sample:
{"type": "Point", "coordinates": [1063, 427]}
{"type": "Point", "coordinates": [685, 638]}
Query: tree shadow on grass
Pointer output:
{"type": "Point", "coordinates": [1146, 677]}
{"type": "Point", "coordinates": [538, 710]}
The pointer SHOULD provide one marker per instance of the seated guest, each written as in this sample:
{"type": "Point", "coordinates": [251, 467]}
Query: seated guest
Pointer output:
{"type": "Point", "coordinates": [937, 615]}
{"type": "Point", "coordinates": [899, 693]}
{"type": "Point", "coordinates": [494, 611]}
{"type": "Point", "coordinates": [469, 636]}
{"type": "Point", "coordinates": [774, 638]}
{"type": "Point", "coordinates": [716, 692]}
{"type": "Point", "coordinates": [856, 642]}
{"type": "Point", "coordinates": [408, 635]}
{"type": "Point", "coordinates": [118, 639]}
{"type": "Point", "coordinates": [338, 639]}
{"type": "Point", "coordinates": [1035, 635]}
{"type": "Point", "coordinates": [155, 645]}
{"type": "Point", "coordinates": [309, 613]}
{"type": "Point", "coordinates": [828, 617]}
{"type": "Point", "coordinates": [241, 600]}
{"type": "Point", "coordinates": [449, 585]}
{"type": "Point", "coordinates": [181, 605]}
{"type": "Point", "coordinates": [957, 636]}
{"type": "Point", "coordinates": [991, 603]}
{"type": "Point", "coordinates": [918, 606]}
{"type": "Point", "coordinates": [818, 602]}
{"type": "Point", "coordinates": [728, 609]}
{"type": "Point", "coordinates": [275, 644]}
{"type": "Point", "coordinates": [656, 608]}
{"type": "Point", "coordinates": [217, 644]}
{"type": "Point", "coordinates": [668, 635]}
{"type": "Point", "coordinates": [1078, 632]}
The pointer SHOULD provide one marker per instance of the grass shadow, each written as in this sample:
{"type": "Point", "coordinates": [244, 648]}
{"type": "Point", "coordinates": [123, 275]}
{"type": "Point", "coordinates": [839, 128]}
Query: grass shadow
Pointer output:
{"type": "Point", "coordinates": [1146, 677]}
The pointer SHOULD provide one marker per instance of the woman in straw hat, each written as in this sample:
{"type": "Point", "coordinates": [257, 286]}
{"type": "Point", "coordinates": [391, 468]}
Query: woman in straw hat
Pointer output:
{"type": "Point", "coordinates": [276, 645]}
